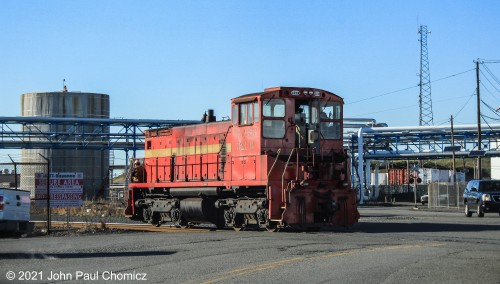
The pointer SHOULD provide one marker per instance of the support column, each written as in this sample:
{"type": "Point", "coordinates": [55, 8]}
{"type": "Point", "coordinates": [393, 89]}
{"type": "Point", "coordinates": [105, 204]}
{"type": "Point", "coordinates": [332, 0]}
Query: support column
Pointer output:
{"type": "Point", "coordinates": [368, 176]}
{"type": "Point", "coordinates": [376, 181]}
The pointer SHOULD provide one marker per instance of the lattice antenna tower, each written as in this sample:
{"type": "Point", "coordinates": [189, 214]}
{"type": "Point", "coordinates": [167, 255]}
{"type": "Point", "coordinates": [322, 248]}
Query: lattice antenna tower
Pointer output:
{"type": "Point", "coordinates": [424, 99]}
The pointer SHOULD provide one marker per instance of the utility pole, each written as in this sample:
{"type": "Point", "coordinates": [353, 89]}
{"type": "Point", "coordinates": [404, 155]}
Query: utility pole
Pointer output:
{"type": "Point", "coordinates": [455, 185]}
{"type": "Point", "coordinates": [479, 166]}
{"type": "Point", "coordinates": [49, 221]}
{"type": "Point", "coordinates": [453, 153]}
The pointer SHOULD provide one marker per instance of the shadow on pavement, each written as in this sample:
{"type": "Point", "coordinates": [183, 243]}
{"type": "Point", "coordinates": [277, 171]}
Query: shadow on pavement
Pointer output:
{"type": "Point", "coordinates": [421, 227]}
{"type": "Point", "coordinates": [83, 254]}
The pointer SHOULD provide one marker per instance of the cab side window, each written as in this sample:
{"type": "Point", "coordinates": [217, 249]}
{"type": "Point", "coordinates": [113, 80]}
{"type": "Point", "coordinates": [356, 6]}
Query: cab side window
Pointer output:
{"type": "Point", "coordinates": [256, 112]}
{"type": "Point", "coordinates": [246, 113]}
{"type": "Point", "coordinates": [235, 114]}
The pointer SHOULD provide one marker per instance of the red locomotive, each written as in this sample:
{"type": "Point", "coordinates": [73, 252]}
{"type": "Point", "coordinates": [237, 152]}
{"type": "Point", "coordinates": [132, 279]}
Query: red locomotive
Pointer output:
{"type": "Point", "coordinates": [278, 163]}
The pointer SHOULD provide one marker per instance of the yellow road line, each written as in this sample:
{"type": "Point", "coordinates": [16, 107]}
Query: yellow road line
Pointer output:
{"type": "Point", "coordinates": [256, 268]}
{"type": "Point", "coordinates": [275, 264]}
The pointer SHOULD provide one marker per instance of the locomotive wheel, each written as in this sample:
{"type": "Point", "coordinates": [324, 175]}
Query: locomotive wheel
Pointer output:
{"type": "Point", "coordinates": [272, 227]}
{"type": "Point", "coordinates": [156, 220]}
{"type": "Point", "coordinates": [220, 225]}
{"type": "Point", "coordinates": [239, 223]}
{"type": "Point", "coordinates": [147, 215]}
{"type": "Point", "coordinates": [239, 228]}
{"type": "Point", "coordinates": [178, 220]}
{"type": "Point", "coordinates": [182, 224]}
{"type": "Point", "coordinates": [265, 223]}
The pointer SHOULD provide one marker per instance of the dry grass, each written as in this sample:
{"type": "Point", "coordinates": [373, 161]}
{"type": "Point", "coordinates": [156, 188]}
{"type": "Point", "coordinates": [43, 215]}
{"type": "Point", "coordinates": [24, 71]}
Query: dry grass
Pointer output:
{"type": "Point", "coordinates": [94, 214]}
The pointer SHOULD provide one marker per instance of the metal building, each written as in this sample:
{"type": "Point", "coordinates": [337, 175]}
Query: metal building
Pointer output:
{"type": "Point", "coordinates": [93, 163]}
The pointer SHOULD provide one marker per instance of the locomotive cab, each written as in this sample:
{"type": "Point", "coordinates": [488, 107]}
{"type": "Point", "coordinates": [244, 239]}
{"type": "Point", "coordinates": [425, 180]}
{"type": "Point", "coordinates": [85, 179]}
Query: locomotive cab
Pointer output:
{"type": "Point", "coordinates": [300, 136]}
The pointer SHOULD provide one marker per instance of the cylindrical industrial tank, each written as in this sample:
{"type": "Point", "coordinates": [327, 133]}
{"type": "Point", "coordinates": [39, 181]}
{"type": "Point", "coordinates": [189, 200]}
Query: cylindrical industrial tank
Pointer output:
{"type": "Point", "coordinates": [93, 163]}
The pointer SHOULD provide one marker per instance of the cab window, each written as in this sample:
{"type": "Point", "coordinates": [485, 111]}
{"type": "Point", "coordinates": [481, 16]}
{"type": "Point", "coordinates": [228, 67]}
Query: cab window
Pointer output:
{"type": "Point", "coordinates": [272, 125]}
{"type": "Point", "coordinates": [235, 114]}
{"type": "Point", "coordinates": [256, 112]}
{"type": "Point", "coordinates": [273, 108]}
{"type": "Point", "coordinates": [272, 128]}
{"type": "Point", "coordinates": [330, 110]}
{"type": "Point", "coordinates": [330, 120]}
{"type": "Point", "coordinates": [330, 130]}
{"type": "Point", "coordinates": [246, 113]}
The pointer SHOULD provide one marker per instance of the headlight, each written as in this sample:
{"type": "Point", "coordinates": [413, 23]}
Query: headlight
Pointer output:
{"type": "Point", "coordinates": [486, 197]}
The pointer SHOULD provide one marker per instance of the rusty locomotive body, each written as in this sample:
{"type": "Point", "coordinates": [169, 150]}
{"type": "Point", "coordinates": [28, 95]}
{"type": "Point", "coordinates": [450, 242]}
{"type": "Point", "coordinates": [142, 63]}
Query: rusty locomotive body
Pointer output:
{"type": "Point", "coordinates": [279, 162]}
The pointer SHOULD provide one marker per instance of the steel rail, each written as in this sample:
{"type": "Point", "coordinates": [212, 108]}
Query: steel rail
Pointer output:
{"type": "Point", "coordinates": [120, 226]}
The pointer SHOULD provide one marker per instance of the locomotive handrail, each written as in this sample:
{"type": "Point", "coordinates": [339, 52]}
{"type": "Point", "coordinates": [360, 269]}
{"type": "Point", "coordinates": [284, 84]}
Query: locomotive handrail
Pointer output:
{"type": "Point", "coordinates": [224, 141]}
{"type": "Point", "coordinates": [270, 170]}
{"type": "Point", "coordinates": [283, 176]}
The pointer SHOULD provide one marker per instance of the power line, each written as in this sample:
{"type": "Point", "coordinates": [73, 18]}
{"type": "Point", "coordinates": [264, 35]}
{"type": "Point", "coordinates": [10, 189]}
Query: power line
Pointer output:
{"type": "Point", "coordinates": [466, 103]}
{"type": "Point", "coordinates": [489, 117]}
{"type": "Point", "coordinates": [487, 122]}
{"type": "Point", "coordinates": [489, 61]}
{"type": "Point", "coordinates": [385, 110]}
{"type": "Point", "coordinates": [381, 95]}
{"type": "Point", "coordinates": [413, 105]}
{"type": "Point", "coordinates": [484, 76]}
{"type": "Point", "coordinates": [489, 92]}
{"type": "Point", "coordinates": [490, 108]}
{"type": "Point", "coordinates": [447, 77]}
{"type": "Point", "coordinates": [491, 73]}
{"type": "Point", "coordinates": [408, 88]}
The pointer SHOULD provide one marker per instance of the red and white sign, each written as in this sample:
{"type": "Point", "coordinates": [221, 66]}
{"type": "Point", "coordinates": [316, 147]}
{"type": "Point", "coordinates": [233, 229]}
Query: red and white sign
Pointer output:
{"type": "Point", "coordinates": [66, 189]}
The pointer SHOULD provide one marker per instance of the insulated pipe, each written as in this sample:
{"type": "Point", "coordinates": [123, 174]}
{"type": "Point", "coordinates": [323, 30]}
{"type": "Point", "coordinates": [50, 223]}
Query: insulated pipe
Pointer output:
{"type": "Point", "coordinates": [414, 155]}
{"type": "Point", "coordinates": [368, 176]}
{"type": "Point", "coordinates": [358, 119]}
{"type": "Point", "coordinates": [419, 129]}
{"type": "Point", "coordinates": [358, 125]}
{"type": "Point", "coordinates": [360, 162]}
{"type": "Point", "coordinates": [117, 121]}
{"type": "Point", "coordinates": [361, 122]}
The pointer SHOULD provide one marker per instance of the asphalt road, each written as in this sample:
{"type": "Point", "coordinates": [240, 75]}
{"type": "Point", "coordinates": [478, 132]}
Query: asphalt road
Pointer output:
{"type": "Point", "coordinates": [388, 245]}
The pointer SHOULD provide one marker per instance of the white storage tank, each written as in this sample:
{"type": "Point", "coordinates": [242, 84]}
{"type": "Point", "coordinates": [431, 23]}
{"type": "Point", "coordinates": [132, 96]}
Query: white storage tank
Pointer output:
{"type": "Point", "coordinates": [93, 163]}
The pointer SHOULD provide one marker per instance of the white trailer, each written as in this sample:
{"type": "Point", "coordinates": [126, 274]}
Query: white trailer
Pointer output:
{"type": "Point", "coordinates": [15, 211]}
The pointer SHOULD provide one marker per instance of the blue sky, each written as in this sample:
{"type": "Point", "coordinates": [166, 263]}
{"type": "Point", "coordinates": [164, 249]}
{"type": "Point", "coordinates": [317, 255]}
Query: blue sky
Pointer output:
{"type": "Point", "coordinates": [175, 59]}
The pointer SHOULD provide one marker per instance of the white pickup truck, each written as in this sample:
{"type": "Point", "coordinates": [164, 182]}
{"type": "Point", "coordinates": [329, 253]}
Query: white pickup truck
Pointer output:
{"type": "Point", "coordinates": [15, 211]}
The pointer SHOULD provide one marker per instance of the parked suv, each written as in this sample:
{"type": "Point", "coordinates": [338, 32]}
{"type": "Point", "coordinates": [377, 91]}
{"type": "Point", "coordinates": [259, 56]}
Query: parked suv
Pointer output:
{"type": "Point", "coordinates": [482, 196]}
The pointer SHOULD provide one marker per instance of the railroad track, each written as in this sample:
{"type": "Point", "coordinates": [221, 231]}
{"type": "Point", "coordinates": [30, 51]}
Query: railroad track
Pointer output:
{"type": "Point", "coordinates": [121, 226]}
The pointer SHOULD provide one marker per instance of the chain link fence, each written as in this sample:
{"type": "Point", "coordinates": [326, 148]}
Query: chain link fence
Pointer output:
{"type": "Point", "coordinates": [396, 193]}
{"type": "Point", "coordinates": [19, 173]}
{"type": "Point", "coordinates": [446, 194]}
{"type": "Point", "coordinates": [440, 194]}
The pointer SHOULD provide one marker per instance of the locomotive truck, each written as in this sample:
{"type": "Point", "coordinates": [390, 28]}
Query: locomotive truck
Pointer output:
{"type": "Point", "coordinates": [277, 163]}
